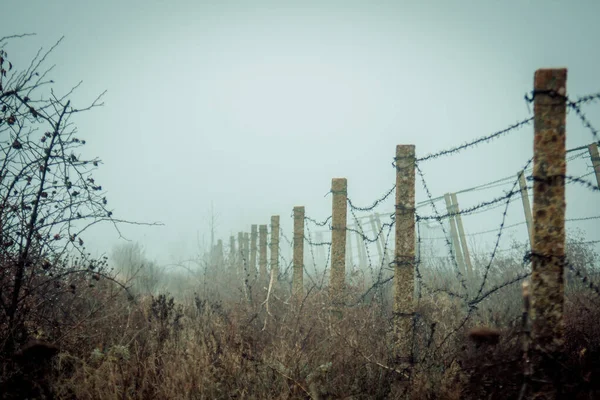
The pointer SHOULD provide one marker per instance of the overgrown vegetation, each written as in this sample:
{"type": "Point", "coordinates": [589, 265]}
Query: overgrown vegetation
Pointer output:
{"type": "Point", "coordinates": [200, 347]}
{"type": "Point", "coordinates": [71, 329]}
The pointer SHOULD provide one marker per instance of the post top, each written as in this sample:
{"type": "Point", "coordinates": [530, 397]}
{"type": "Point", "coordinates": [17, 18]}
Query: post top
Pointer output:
{"type": "Point", "coordinates": [339, 184]}
{"type": "Point", "coordinates": [550, 79]}
{"type": "Point", "coordinates": [405, 150]}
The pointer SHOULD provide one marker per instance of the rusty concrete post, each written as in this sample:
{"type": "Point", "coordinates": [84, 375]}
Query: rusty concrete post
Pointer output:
{"type": "Point", "coordinates": [593, 150]}
{"type": "Point", "coordinates": [526, 336]}
{"type": "Point", "coordinates": [245, 246]}
{"type": "Point", "coordinates": [275, 247]}
{"type": "Point", "coordinates": [548, 253]}
{"type": "Point", "coordinates": [232, 253]}
{"type": "Point", "coordinates": [404, 257]}
{"type": "Point", "coordinates": [339, 189]}
{"type": "Point", "coordinates": [298, 278]}
{"type": "Point", "coordinates": [375, 235]}
{"type": "Point", "coordinates": [526, 206]}
{"type": "Point", "coordinates": [262, 254]}
{"type": "Point", "coordinates": [463, 241]}
{"type": "Point", "coordinates": [253, 234]}
{"type": "Point", "coordinates": [456, 249]}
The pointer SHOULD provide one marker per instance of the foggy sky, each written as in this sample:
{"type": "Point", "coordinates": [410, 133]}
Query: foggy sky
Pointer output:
{"type": "Point", "coordinates": [255, 106]}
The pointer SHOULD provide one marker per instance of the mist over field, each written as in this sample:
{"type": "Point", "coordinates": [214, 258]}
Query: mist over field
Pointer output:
{"type": "Point", "coordinates": [253, 108]}
{"type": "Point", "coordinates": [141, 140]}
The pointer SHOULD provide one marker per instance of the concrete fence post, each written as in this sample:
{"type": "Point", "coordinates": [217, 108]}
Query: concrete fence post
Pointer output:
{"type": "Point", "coordinates": [404, 257]}
{"type": "Point", "coordinates": [593, 150]}
{"type": "Point", "coordinates": [526, 206]}
{"type": "Point", "coordinates": [548, 253]}
{"type": "Point", "coordinates": [298, 257]}
{"type": "Point", "coordinates": [253, 237]}
{"type": "Point", "coordinates": [275, 248]}
{"type": "Point", "coordinates": [240, 253]}
{"type": "Point", "coordinates": [339, 189]}
{"type": "Point", "coordinates": [262, 261]}
{"type": "Point", "coordinates": [377, 241]}
{"type": "Point", "coordinates": [456, 250]}
{"type": "Point", "coordinates": [232, 252]}
{"type": "Point", "coordinates": [463, 240]}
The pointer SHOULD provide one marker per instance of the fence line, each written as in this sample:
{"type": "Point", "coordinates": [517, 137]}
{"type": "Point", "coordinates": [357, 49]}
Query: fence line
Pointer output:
{"type": "Point", "coordinates": [495, 202]}
{"type": "Point", "coordinates": [546, 174]}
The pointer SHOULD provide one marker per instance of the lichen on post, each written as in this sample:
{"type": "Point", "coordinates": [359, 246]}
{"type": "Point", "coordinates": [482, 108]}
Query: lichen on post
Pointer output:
{"type": "Point", "coordinates": [339, 189]}
{"type": "Point", "coordinates": [298, 282]}
{"type": "Point", "coordinates": [404, 256]}
{"type": "Point", "coordinates": [253, 235]}
{"type": "Point", "coordinates": [548, 249]}
{"type": "Point", "coordinates": [262, 255]}
{"type": "Point", "coordinates": [274, 248]}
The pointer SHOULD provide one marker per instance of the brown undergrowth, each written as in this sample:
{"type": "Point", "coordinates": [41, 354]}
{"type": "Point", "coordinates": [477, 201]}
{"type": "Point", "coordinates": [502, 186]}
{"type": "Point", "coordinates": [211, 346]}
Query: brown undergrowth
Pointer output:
{"type": "Point", "coordinates": [202, 349]}
{"type": "Point", "coordinates": [215, 347]}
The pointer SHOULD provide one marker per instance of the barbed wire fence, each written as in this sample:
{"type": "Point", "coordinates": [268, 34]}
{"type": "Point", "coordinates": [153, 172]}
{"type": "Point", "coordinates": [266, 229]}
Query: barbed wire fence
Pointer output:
{"type": "Point", "coordinates": [468, 289]}
{"type": "Point", "coordinates": [483, 292]}
{"type": "Point", "coordinates": [498, 202]}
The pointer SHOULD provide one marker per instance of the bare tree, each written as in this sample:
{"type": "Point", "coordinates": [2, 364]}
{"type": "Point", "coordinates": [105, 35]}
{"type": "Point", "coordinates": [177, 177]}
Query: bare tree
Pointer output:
{"type": "Point", "coordinates": [48, 196]}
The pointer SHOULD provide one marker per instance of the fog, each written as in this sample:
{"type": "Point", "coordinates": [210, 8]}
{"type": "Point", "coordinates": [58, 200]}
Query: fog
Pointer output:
{"type": "Point", "coordinates": [242, 111]}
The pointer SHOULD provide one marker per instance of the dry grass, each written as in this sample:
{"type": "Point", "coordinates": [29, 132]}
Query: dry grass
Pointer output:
{"type": "Point", "coordinates": [202, 348]}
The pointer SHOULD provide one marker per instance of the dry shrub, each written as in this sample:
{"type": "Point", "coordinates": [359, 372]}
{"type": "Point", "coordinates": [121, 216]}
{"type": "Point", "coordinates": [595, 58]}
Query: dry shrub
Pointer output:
{"type": "Point", "coordinates": [203, 348]}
